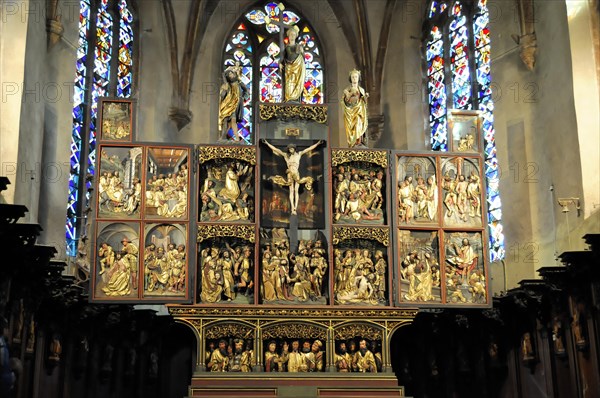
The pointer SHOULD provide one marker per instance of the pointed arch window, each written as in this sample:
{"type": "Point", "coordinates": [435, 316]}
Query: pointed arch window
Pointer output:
{"type": "Point", "coordinates": [256, 43]}
{"type": "Point", "coordinates": [457, 55]}
{"type": "Point", "coordinates": [104, 67]}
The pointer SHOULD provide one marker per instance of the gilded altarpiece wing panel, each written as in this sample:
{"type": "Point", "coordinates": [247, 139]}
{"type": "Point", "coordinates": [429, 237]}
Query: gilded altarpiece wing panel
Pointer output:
{"type": "Point", "coordinates": [117, 120]}
{"type": "Point", "coordinates": [227, 184]}
{"type": "Point", "coordinates": [119, 182]}
{"type": "Point", "coordinates": [167, 175]}
{"type": "Point", "coordinates": [360, 266]}
{"type": "Point", "coordinates": [464, 277]}
{"type": "Point", "coordinates": [461, 191]}
{"type": "Point", "coordinates": [417, 191]}
{"type": "Point", "coordinates": [419, 266]}
{"type": "Point", "coordinates": [465, 127]}
{"type": "Point", "coordinates": [117, 263]}
{"type": "Point", "coordinates": [291, 276]}
{"type": "Point", "coordinates": [165, 261]}
{"type": "Point", "coordinates": [226, 270]}
{"type": "Point", "coordinates": [359, 186]}
{"type": "Point", "coordinates": [280, 186]}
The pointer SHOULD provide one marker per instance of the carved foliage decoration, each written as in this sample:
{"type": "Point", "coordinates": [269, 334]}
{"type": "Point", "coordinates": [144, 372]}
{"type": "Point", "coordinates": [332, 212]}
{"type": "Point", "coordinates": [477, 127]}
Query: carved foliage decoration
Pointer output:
{"type": "Point", "coordinates": [294, 330]}
{"type": "Point", "coordinates": [339, 156]}
{"type": "Point", "coordinates": [196, 323]}
{"type": "Point", "coordinates": [289, 112]}
{"type": "Point", "coordinates": [365, 331]}
{"type": "Point", "coordinates": [247, 154]}
{"type": "Point", "coordinates": [186, 311]}
{"type": "Point", "coordinates": [246, 232]}
{"type": "Point", "coordinates": [234, 330]}
{"type": "Point", "coordinates": [381, 235]}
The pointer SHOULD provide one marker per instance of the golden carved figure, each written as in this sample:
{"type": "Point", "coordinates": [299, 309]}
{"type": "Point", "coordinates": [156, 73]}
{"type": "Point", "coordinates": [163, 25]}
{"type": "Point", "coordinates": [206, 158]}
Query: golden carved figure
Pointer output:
{"type": "Point", "coordinates": [354, 105]}
{"type": "Point", "coordinates": [364, 360]}
{"type": "Point", "coordinates": [342, 359]}
{"type": "Point", "coordinates": [273, 362]}
{"type": "Point", "coordinates": [295, 361]}
{"type": "Point", "coordinates": [527, 347]}
{"type": "Point", "coordinates": [231, 102]}
{"type": "Point", "coordinates": [219, 359]}
{"type": "Point", "coordinates": [293, 65]}
{"type": "Point", "coordinates": [240, 360]}
{"type": "Point", "coordinates": [359, 279]}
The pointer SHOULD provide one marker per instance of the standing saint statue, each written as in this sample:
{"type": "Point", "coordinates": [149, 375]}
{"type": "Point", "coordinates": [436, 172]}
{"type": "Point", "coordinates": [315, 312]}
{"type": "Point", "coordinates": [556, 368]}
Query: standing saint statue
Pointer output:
{"type": "Point", "coordinates": [293, 179]}
{"type": "Point", "coordinates": [231, 101]}
{"type": "Point", "coordinates": [293, 65]}
{"type": "Point", "coordinates": [354, 104]}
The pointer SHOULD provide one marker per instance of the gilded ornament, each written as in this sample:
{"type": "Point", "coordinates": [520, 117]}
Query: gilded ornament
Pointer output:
{"type": "Point", "coordinates": [234, 330]}
{"type": "Point", "coordinates": [365, 331]}
{"type": "Point", "coordinates": [340, 156]}
{"type": "Point", "coordinates": [381, 235]}
{"type": "Point", "coordinates": [290, 112]}
{"type": "Point", "coordinates": [181, 311]}
{"type": "Point", "coordinates": [294, 330]}
{"type": "Point", "coordinates": [247, 154]}
{"type": "Point", "coordinates": [246, 232]}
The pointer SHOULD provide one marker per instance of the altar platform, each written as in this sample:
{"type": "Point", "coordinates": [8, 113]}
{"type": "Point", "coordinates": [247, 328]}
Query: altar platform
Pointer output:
{"type": "Point", "coordinates": [300, 385]}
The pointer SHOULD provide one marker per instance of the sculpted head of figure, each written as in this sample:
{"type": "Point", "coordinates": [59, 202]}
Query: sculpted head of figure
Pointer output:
{"type": "Point", "coordinates": [362, 346]}
{"type": "Point", "coordinates": [291, 148]}
{"type": "Point", "coordinates": [354, 76]}
{"type": "Point", "coordinates": [316, 346]}
{"type": "Point", "coordinates": [272, 346]}
{"type": "Point", "coordinates": [292, 34]}
{"type": "Point", "coordinates": [239, 346]}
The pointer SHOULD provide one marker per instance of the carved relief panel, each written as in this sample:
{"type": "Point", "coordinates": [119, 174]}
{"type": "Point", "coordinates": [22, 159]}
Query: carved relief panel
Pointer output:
{"type": "Point", "coordinates": [359, 186]}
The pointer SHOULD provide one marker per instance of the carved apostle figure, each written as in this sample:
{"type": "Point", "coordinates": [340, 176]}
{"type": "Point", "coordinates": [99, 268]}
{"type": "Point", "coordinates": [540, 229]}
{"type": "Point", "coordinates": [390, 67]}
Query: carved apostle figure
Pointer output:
{"type": "Point", "coordinates": [364, 360]}
{"type": "Point", "coordinates": [314, 355]}
{"type": "Point", "coordinates": [273, 362]}
{"type": "Point", "coordinates": [219, 360]}
{"type": "Point", "coordinates": [240, 360]}
{"type": "Point", "coordinates": [295, 361]}
{"type": "Point", "coordinates": [342, 359]}
{"type": "Point", "coordinates": [354, 105]}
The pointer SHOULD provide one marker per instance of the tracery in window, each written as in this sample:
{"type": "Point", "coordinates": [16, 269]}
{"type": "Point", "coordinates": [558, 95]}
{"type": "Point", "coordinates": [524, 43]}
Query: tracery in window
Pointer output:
{"type": "Point", "coordinates": [105, 29]}
{"type": "Point", "coordinates": [256, 43]}
{"type": "Point", "coordinates": [457, 54]}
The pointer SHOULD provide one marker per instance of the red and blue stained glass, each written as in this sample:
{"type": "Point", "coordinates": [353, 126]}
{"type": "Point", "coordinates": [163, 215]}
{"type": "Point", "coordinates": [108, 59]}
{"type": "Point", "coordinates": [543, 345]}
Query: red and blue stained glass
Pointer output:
{"type": "Point", "coordinates": [78, 127]}
{"type": "Point", "coordinates": [463, 97]}
{"type": "Point", "coordinates": [100, 80]}
{"type": "Point", "coordinates": [437, 91]}
{"type": "Point", "coordinates": [481, 34]}
{"type": "Point", "coordinates": [459, 60]}
{"type": "Point", "coordinates": [313, 84]}
{"type": "Point", "coordinates": [125, 73]}
{"type": "Point", "coordinates": [270, 84]}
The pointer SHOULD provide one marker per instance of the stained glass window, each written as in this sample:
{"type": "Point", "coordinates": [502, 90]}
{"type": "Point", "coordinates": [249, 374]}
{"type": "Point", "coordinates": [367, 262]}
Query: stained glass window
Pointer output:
{"type": "Point", "coordinates": [103, 33]}
{"type": "Point", "coordinates": [256, 43]}
{"type": "Point", "coordinates": [460, 39]}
